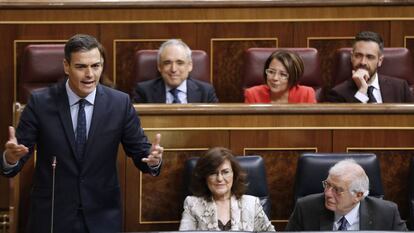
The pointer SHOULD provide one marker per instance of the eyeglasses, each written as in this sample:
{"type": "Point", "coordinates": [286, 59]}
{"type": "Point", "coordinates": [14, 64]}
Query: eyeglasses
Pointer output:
{"type": "Point", "coordinates": [226, 174]}
{"type": "Point", "coordinates": [272, 73]}
{"type": "Point", "coordinates": [338, 191]}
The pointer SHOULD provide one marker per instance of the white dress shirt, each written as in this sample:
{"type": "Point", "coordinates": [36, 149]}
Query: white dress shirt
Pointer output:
{"type": "Point", "coordinates": [352, 218]}
{"type": "Point", "coordinates": [376, 92]}
{"type": "Point", "coordinates": [74, 107]}
{"type": "Point", "coordinates": [182, 93]}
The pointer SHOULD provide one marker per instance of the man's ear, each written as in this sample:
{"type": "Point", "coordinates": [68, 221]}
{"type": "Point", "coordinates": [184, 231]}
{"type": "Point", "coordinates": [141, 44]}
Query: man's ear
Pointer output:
{"type": "Point", "coordinates": [66, 66]}
{"type": "Point", "coordinates": [380, 59]}
{"type": "Point", "coordinates": [191, 66]}
{"type": "Point", "coordinates": [159, 68]}
{"type": "Point", "coordinates": [358, 197]}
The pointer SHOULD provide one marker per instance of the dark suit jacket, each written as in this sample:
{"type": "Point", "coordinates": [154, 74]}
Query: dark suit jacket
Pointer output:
{"type": "Point", "coordinates": [393, 90]}
{"type": "Point", "coordinates": [310, 214]}
{"type": "Point", "coordinates": [153, 91]}
{"type": "Point", "coordinates": [92, 183]}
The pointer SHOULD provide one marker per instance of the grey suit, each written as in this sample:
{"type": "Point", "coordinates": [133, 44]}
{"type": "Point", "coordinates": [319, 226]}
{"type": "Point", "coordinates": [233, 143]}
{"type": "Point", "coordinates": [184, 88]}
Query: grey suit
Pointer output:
{"type": "Point", "coordinates": [310, 214]}
{"type": "Point", "coordinates": [153, 91]}
{"type": "Point", "coordinates": [393, 90]}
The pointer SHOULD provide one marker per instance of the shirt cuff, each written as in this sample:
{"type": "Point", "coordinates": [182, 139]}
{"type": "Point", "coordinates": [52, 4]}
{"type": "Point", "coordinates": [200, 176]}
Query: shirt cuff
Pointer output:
{"type": "Point", "coordinates": [154, 169]}
{"type": "Point", "coordinates": [6, 166]}
{"type": "Point", "coordinates": [361, 97]}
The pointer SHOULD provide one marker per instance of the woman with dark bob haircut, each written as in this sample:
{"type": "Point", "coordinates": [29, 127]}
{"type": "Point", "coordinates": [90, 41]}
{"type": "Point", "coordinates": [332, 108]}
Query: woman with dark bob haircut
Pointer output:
{"type": "Point", "coordinates": [219, 203]}
{"type": "Point", "coordinates": [282, 72]}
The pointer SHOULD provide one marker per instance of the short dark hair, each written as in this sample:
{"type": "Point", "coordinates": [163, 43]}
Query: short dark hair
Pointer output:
{"type": "Point", "coordinates": [370, 36]}
{"type": "Point", "coordinates": [82, 42]}
{"type": "Point", "coordinates": [292, 63]}
{"type": "Point", "coordinates": [208, 164]}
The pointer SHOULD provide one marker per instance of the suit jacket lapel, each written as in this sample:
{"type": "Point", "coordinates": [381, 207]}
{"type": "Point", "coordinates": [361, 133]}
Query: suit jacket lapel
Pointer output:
{"type": "Point", "coordinates": [158, 91]}
{"type": "Point", "coordinates": [193, 95]}
{"type": "Point", "coordinates": [326, 220]}
{"type": "Point", "coordinates": [97, 116]}
{"type": "Point", "coordinates": [235, 215]}
{"type": "Point", "coordinates": [365, 221]}
{"type": "Point", "coordinates": [385, 89]}
{"type": "Point", "coordinates": [64, 114]}
{"type": "Point", "coordinates": [208, 215]}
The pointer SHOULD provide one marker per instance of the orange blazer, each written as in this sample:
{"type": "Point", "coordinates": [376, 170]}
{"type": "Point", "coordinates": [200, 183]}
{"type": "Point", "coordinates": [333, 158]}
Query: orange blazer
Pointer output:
{"type": "Point", "coordinates": [297, 94]}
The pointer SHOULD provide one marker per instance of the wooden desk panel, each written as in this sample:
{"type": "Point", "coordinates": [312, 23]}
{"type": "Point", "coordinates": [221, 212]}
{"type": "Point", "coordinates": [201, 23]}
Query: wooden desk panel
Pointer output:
{"type": "Point", "coordinates": [394, 149]}
{"type": "Point", "coordinates": [280, 133]}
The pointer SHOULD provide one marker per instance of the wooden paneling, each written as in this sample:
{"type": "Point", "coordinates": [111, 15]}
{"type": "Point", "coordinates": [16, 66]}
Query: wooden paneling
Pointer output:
{"type": "Point", "coordinates": [166, 192]}
{"type": "Point", "coordinates": [56, 13]}
{"type": "Point", "coordinates": [279, 133]}
{"type": "Point", "coordinates": [409, 43]}
{"type": "Point", "coordinates": [4, 202]}
{"type": "Point", "coordinates": [223, 32]}
{"type": "Point", "coordinates": [327, 37]}
{"type": "Point", "coordinates": [228, 76]}
{"type": "Point", "coordinates": [124, 51]}
{"type": "Point", "coordinates": [6, 97]}
{"type": "Point", "coordinates": [224, 42]}
{"type": "Point", "coordinates": [280, 150]}
{"type": "Point", "coordinates": [394, 149]}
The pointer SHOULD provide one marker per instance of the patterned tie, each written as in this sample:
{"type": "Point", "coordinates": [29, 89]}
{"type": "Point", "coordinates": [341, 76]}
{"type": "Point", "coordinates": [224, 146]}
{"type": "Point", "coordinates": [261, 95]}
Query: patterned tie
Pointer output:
{"type": "Point", "coordinates": [174, 92]}
{"type": "Point", "coordinates": [371, 95]}
{"type": "Point", "coordinates": [81, 129]}
{"type": "Point", "coordinates": [342, 222]}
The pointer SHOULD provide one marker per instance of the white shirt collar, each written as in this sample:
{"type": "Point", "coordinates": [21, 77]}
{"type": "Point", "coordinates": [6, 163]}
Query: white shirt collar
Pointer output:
{"type": "Point", "coordinates": [352, 216]}
{"type": "Point", "coordinates": [375, 82]}
{"type": "Point", "coordinates": [182, 87]}
{"type": "Point", "coordinates": [73, 98]}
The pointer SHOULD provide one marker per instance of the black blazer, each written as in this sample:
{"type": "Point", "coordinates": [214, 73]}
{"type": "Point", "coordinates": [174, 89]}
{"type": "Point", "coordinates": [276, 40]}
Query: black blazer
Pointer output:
{"type": "Point", "coordinates": [393, 90]}
{"type": "Point", "coordinates": [92, 183]}
{"type": "Point", "coordinates": [153, 91]}
{"type": "Point", "coordinates": [310, 214]}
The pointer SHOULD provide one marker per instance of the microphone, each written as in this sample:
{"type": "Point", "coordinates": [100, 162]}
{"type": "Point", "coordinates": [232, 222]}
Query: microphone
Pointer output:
{"type": "Point", "coordinates": [53, 192]}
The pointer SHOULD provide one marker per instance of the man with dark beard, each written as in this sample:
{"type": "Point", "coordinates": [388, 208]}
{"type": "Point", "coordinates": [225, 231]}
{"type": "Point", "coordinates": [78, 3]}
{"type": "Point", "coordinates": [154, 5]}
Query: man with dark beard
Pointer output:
{"type": "Point", "coordinates": [366, 85]}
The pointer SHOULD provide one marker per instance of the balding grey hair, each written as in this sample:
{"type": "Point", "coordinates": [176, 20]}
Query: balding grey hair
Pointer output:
{"type": "Point", "coordinates": [349, 169]}
{"type": "Point", "coordinates": [174, 42]}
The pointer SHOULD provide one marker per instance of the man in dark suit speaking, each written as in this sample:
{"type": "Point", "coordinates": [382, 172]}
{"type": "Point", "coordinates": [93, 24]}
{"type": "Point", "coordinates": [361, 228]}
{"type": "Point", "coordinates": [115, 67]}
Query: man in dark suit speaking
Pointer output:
{"type": "Point", "coordinates": [345, 205]}
{"type": "Point", "coordinates": [78, 123]}
{"type": "Point", "coordinates": [175, 84]}
{"type": "Point", "coordinates": [366, 85]}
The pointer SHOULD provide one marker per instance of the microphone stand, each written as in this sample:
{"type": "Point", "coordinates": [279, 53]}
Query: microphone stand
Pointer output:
{"type": "Point", "coordinates": [53, 192]}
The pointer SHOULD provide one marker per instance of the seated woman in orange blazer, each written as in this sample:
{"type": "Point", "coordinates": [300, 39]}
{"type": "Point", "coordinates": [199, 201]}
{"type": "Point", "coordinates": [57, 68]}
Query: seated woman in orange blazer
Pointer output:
{"type": "Point", "coordinates": [282, 72]}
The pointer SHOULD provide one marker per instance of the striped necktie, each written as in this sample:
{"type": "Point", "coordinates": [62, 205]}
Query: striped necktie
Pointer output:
{"type": "Point", "coordinates": [174, 93]}
{"type": "Point", "coordinates": [342, 222]}
{"type": "Point", "coordinates": [371, 95]}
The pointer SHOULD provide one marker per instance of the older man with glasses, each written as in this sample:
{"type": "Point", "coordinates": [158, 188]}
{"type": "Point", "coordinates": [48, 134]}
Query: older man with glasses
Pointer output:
{"type": "Point", "coordinates": [345, 205]}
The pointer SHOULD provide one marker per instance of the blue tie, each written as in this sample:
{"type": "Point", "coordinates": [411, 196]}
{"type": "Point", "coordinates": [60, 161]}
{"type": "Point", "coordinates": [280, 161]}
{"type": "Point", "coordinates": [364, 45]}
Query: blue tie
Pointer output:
{"type": "Point", "coordinates": [174, 93]}
{"type": "Point", "coordinates": [81, 129]}
{"type": "Point", "coordinates": [371, 95]}
{"type": "Point", "coordinates": [342, 222]}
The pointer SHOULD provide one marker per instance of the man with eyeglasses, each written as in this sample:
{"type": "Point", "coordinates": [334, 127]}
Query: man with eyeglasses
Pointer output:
{"type": "Point", "coordinates": [345, 205]}
{"type": "Point", "coordinates": [365, 84]}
